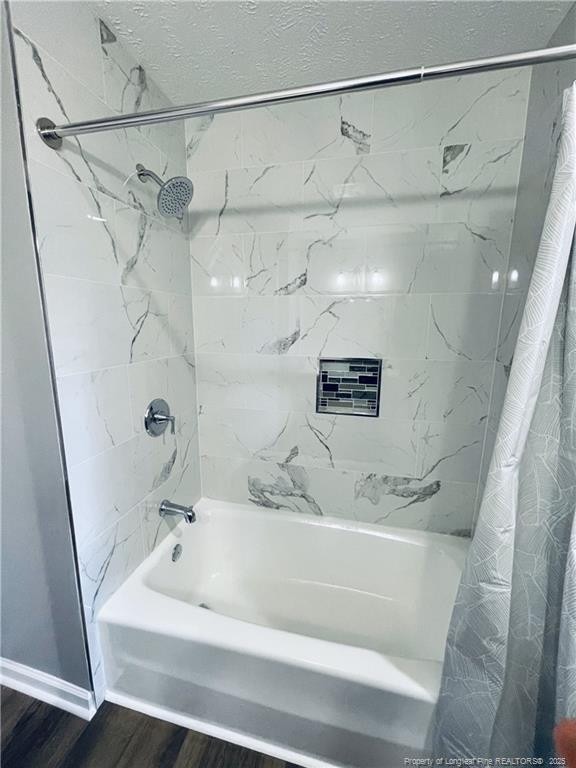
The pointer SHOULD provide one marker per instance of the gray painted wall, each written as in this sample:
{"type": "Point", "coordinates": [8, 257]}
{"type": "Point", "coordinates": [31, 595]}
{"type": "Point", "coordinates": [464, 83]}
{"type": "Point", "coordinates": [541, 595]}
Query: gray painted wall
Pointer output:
{"type": "Point", "coordinates": [40, 611]}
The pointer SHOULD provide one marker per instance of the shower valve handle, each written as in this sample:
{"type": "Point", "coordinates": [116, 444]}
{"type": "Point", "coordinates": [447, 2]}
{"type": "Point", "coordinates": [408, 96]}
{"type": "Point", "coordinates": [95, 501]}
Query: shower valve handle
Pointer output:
{"type": "Point", "coordinates": [159, 418]}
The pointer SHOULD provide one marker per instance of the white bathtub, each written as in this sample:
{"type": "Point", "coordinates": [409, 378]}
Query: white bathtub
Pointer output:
{"type": "Point", "coordinates": [315, 640]}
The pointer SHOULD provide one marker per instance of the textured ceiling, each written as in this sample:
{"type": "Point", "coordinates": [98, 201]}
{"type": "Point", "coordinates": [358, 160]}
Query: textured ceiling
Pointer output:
{"type": "Point", "coordinates": [200, 50]}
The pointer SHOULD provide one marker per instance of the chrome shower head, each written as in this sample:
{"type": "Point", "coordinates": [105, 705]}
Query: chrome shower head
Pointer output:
{"type": "Point", "coordinates": [174, 195]}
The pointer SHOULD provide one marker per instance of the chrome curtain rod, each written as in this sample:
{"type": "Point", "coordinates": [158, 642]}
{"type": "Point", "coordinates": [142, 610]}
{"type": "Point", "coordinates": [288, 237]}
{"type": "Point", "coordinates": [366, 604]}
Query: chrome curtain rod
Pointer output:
{"type": "Point", "coordinates": [52, 134]}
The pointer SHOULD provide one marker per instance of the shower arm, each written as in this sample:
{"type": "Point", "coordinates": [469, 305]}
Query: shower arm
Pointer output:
{"type": "Point", "coordinates": [52, 134]}
{"type": "Point", "coordinates": [144, 174]}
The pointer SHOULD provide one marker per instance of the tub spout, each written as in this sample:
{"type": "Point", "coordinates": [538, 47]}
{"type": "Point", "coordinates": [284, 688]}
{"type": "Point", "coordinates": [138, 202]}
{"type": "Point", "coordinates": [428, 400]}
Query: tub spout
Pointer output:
{"type": "Point", "coordinates": [169, 508]}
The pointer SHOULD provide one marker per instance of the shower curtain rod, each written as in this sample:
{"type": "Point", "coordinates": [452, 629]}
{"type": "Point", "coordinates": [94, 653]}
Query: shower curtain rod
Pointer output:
{"type": "Point", "coordinates": [53, 134]}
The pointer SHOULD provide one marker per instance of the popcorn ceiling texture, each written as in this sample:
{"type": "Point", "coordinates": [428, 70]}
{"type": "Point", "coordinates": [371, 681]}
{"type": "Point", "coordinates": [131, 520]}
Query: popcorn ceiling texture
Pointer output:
{"type": "Point", "coordinates": [204, 50]}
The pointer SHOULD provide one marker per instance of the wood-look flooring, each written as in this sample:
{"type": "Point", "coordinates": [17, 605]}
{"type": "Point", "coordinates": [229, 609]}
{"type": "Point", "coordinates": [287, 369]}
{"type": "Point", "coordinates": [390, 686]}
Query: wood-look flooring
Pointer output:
{"type": "Point", "coordinates": [37, 735]}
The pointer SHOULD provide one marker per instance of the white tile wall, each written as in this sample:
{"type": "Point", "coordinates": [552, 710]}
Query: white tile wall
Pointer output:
{"type": "Point", "coordinates": [374, 225]}
{"type": "Point", "coordinates": [117, 282]}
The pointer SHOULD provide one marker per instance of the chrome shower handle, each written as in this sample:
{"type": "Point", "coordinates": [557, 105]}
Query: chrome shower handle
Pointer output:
{"type": "Point", "coordinates": [160, 418]}
{"type": "Point", "coordinates": [157, 418]}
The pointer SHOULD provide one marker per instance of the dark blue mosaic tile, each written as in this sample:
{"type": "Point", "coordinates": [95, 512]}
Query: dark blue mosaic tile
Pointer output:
{"type": "Point", "coordinates": [350, 386]}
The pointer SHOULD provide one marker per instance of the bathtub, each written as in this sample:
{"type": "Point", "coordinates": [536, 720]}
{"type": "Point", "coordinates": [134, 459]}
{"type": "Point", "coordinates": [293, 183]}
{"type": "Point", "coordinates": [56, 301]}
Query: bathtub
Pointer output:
{"type": "Point", "coordinates": [314, 640]}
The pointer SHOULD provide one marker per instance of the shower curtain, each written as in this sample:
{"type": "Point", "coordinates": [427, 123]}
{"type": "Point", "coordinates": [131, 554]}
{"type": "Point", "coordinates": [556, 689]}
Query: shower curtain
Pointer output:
{"type": "Point", "coordinates": [510, 665]}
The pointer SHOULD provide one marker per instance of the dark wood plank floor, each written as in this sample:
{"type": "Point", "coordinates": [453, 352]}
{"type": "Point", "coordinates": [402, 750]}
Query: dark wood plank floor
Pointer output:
{"type": "Point", "coordinates": [37, 735]}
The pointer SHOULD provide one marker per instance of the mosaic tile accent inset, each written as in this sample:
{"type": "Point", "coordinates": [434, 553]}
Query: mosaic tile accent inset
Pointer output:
{"type": "Point", "coordinates": [349, 386]}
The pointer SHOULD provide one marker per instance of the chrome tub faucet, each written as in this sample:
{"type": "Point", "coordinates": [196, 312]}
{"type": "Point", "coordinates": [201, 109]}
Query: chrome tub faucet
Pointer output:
{"type": "Point", "coordinates": [169, 509]}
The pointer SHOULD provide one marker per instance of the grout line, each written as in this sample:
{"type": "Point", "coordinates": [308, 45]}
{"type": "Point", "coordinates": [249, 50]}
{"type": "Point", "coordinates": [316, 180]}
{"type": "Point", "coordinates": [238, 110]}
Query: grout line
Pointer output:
{"type": "Point", "coordinates": [128, 366]}
{"type": "Point", "coordinates": [115, 285]}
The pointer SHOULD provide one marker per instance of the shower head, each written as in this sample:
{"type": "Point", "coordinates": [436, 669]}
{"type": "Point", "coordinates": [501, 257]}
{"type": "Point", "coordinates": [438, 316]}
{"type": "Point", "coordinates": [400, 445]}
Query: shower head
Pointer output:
{"type": "Point", "coordinates": [174, 195]}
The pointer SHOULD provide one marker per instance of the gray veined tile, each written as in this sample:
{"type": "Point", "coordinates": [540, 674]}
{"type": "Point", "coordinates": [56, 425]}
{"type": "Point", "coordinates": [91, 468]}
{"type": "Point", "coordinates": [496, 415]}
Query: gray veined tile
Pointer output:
{"type": "Point", "coordinates": [180, 329]}
{"type": "Point", "coordinates": [255, 325]}
{"type": "Point", "coordinates": [75, 227]}
{"type": "Point", "coordinates": [453, 392]}
{"type": "Point", "coordinates": [108, 560]}
{"type": "Point", "coordinates": [367, 497]}
{"type": "Point", "coordinates": [151, 255]}
{"type": "Point", "coordinates": [479, 182]}
{"type": "Point", "coordinates": [147, 313]}
{"type": "Point", "coordinates": [127, 84]}
{"type": "Point", "coordinates": [512, 310]}
{"type": "Point", "coordinates": [453, 454]}
{"type": "Point", "coordinates": [104, 161]}
{"type": "Point", "coordinates": [240, 200]}
{"type": "Point", "coordinates": [460, 258]}
{"type": "Point", "coordinates": [219, 266]}
{"type": "Point", "coordinates": [44, 23]}
{"type": "Point", "coordinates": [148, 380]}
{"type": "Point", "coordinates": [437, 506]}
{"type": "Point", "coordinates": [312, 440]}
{"type": "Point", "coordinates": [103, 489]}
{"type": "Point", "coordinates": [272, 485]}
{"type": "Point", "coordinates": [391, 326]}
{"type": "Point", "coordinates": [436, 258]}
{"type": "Point", "coordinates": [95, 412]}
{"type": "Point", "coordinates": [458, 110]}
{"type": "Point", "coordinates": [267, 435]}
{"type": "Point", "coordinates": [359, 444]}
{"type": "Point", "coordinates": [89, 326]}
{"type": "Point", "coordinates": [129, 88]}
{"type": "Point", "coordinates": [182, 386]}
{"type": "Point", "coordinates": [107, 486]}
{"type": "Point", "coordinates": [224, 380]}
{"type": "Point", "coordinates": [395, 187]}
{"type": "Point", "coordinates": [213, 142]}
{"type": "Point", "coordinates": [332, 127]}
{"type": "Point", "coordinates": [463, 326]}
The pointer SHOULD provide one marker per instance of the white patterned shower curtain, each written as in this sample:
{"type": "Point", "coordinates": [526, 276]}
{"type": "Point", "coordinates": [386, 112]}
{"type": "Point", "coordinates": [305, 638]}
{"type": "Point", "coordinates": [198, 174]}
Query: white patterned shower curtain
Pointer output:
{"type": "Point", "coordinates": [510, 665]}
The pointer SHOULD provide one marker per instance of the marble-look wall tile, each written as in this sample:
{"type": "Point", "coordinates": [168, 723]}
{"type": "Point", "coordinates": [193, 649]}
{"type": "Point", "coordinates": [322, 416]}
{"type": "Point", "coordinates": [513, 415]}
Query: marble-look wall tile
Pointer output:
{"type": "Point", "coordinates": [75, 227]}
{"type": "Point", "coordinates": [266, 382]}
{"type": "Point", "coordinates": [436, 258]}
{"type": "Point", "coordinates": [450, 454]}
{"type": "Point", "coordinates": [95, 412]}
{"type": "Point", "coordinates": [148, 380]}
{"type": "Point", "coordinates": [104, 161]}
{"type": "Point", "coordinates": [106, 486]}
{"type": "Point", "coordinates": [319, 440]}
{"type": "Point", "coordinates": [443, 507]}
{"type": "Point", "coordinates": [108, 560]}
{"type": "Point", "coordinates": [88, 324]}
{"type": "Point", "coordinates": [44, 23]}
{"type": "Point", "coordinates": [150, 254]}
{"type": "Point", "coordinates": [265, 199]}
{"type": "Point", "coordinates": [384, 326]}
{"type": "Point", "coordinates": [394, 244]}
{"type": "Point", "coordinates": [395, 187]}
{"type": "Point", "coordinates": [479, 183]}
{"type": "Point", "coordinates": [251, 325]}
{"type": "Point", "coordinates": [455, 110]}
{"type": "Point", "coordinates": [332, 127]}
{"type": "Point", "coordinates": [463, 326]}
{"type": "Point", "coordinates": [213, 142]}
{"type": "Point", "coordinates": [452, 392]}
{"type": "Point", "coordinates": [393, 326]}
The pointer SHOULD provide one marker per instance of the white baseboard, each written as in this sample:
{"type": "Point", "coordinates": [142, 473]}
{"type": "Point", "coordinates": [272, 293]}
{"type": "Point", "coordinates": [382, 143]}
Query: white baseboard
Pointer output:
{"type": "Point", "coordinates": [47, 688]}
